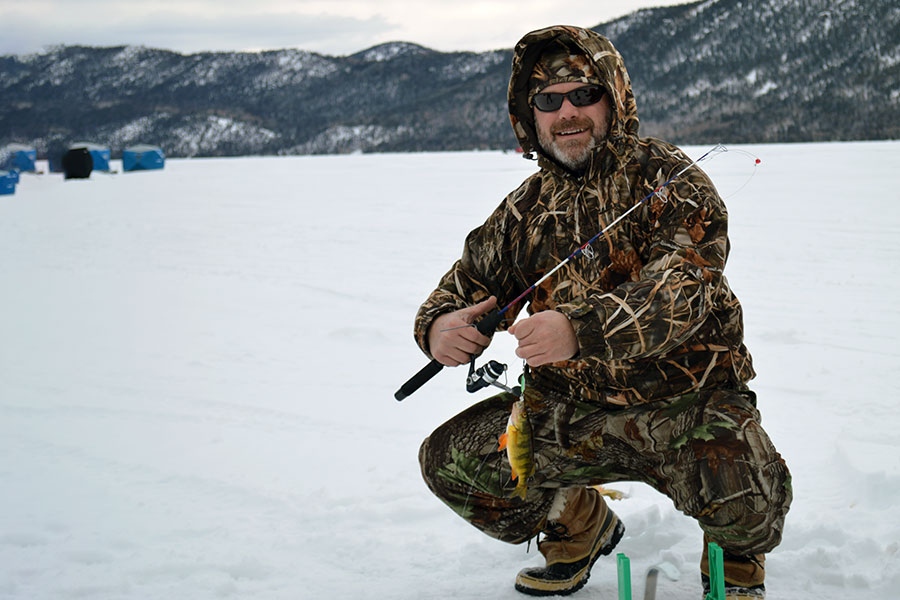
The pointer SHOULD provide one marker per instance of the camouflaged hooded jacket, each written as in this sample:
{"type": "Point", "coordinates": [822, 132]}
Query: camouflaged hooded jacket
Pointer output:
{"type": "Point", "coordinates": [652, 311]}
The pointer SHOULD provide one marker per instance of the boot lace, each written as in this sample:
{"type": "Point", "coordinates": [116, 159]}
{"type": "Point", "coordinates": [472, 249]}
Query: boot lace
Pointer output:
{"type": "Point", "coordinates": [554, 532]}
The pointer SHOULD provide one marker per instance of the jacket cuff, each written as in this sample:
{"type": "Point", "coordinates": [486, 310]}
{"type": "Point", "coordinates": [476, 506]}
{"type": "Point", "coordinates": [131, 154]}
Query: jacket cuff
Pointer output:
{"type": "Point", "coordinates": [425, 318]}
{"type": "Point", "coordinates": [588, 326]}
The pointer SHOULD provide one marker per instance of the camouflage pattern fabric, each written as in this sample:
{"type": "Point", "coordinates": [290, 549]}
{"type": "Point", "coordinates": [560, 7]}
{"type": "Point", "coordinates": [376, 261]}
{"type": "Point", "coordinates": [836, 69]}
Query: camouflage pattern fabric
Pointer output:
{"type": "Point", "coordinates": [705, 450]}
{"type": "Point", "coordinates": [657, 392]}
{"type": "Point", "coordinates": [559, 63]}
{"type": "Point", "coordinates": [652, 311]}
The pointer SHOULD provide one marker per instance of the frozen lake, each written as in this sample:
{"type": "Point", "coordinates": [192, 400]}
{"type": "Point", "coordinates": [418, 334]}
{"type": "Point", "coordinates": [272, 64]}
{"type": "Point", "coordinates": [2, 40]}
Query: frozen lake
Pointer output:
{"type": "Point", "coordinates": [197, 369]}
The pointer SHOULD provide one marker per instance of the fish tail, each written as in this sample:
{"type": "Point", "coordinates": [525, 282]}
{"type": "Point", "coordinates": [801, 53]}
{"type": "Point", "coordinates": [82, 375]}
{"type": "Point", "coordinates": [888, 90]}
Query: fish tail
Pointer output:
{"type": "Point", "coordinates": [521, 489]}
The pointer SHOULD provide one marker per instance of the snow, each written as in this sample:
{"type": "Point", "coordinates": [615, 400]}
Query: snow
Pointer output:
{"type": "Point", "coordinates": [197, 368]}
{"type": "Point", "coordinates": [350, 138]}
{"type": "Point", "coordinates": [390, 50]}
{"type": "Point", "coordinates": [129, 54]}
{"type": "Point", "coordinates": [294, 66]}
{"type": "Point", "coordinates": [205, 133]}
{"type": "Point", "coordinates": [134, 130]}
{"type": "Point", "coordinates": [469, 65]}
{"type": "Point", "coordinates": [765, 88]}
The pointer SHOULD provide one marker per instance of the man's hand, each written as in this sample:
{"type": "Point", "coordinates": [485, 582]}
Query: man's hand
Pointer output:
{"type": "Point", "coordinates": [545, 337]}
{"type": "Point", "coordinates": [451, 342]}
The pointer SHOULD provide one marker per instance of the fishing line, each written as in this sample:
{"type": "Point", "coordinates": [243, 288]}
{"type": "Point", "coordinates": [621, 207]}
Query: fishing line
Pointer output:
{"type": "Point", "coordinates": [756, 163]}
{"type": "Point", "coordinates": [472, 483]}
{"type": "Point", "coordinates": [724, 173]}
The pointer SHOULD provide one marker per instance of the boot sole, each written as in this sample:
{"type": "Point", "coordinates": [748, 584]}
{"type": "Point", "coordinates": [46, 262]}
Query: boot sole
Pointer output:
{"type": "Point", "coordinates": [545, 587]}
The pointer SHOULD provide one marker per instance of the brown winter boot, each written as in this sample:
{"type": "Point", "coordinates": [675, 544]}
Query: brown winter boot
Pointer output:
{"type": "Point", "coordinates": [744, 575]}
{"type": "Point", "coordinates": [582, 531]}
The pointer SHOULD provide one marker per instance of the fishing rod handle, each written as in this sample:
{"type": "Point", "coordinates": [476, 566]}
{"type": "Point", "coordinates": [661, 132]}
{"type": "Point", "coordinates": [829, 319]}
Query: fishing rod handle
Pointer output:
{"type": "Point", "coordinates": [418, 380]}
{"type": "Point", "coordinates": [486, 326]}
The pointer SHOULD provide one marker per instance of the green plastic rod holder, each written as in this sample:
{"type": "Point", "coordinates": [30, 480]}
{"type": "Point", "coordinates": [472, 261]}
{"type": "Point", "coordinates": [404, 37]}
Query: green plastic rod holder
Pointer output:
{"type": "Point", "coordinates": [624, 566]}
{"type": "Point", "coordinates": [716, 573]}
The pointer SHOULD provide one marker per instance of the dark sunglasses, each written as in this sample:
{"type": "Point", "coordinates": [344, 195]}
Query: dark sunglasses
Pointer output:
{"type": "Point", "coordinates": [583, 96]}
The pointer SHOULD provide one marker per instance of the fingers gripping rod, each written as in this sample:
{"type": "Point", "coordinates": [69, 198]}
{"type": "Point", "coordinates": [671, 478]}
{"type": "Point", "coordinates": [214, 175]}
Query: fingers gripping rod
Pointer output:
{"type": "Point", "coordinates": [486, 326]}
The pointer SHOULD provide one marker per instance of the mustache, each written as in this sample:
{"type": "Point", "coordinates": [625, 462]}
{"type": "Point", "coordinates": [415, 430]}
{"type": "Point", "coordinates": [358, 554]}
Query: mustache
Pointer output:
{"type": "Point", "coordinates": [574, 123]}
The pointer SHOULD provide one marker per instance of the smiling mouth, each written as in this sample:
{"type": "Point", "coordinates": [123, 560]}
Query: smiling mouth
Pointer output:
{"type": "Point", "coordinates": [568, 132]}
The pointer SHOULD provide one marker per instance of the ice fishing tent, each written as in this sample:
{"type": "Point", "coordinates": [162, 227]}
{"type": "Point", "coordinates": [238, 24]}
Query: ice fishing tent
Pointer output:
{"type": "Point", "coordinates": [77, 163]}
{"type": "Point", "coordinates": [99, 154]}
{"type": "Point", "coordinates": [20, 157]}
{"type": "Point", "coordinates": [7, 183]}
{"type": "Point", "coordinates": [141, 158]}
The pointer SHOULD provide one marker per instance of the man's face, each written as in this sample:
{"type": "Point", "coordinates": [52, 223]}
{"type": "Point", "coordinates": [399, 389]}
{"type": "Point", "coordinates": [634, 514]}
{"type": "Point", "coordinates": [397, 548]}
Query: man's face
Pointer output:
{"type": "Point", "coordinates": [570, 133]}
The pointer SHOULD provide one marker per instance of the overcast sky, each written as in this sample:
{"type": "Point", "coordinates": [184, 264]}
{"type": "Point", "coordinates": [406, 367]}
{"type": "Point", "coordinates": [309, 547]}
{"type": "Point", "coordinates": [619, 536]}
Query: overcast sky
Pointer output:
{"type": "Point", "coordinates": [336, 27]}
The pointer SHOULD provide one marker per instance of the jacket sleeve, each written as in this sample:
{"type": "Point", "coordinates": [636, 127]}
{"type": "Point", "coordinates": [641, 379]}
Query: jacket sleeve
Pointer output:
{"type": "Point", "coordinates": [485, 269]}
{"type": "Point", "coordinates": [674, 293]}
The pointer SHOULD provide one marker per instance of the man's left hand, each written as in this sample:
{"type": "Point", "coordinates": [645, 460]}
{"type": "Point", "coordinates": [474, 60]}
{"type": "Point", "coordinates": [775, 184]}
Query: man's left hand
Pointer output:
{"type": "Point", "coordinates": [545, 337]}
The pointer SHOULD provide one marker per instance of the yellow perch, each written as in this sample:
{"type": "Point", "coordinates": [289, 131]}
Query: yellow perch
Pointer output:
{"type": "Point", "coordinates": [517, 442]}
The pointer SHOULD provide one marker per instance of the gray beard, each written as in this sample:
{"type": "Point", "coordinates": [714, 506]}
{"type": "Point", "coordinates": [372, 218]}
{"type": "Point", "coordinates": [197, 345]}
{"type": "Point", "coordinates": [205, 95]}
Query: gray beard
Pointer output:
{"type": "Point", "coordinates": [578, 162]}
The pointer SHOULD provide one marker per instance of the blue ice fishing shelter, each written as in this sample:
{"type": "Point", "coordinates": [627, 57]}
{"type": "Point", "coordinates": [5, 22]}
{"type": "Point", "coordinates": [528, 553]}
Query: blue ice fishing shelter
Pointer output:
{"type": "Point", "coordinates": [19, 156]}
{"type": "Point", "coordinates": [99, 153]}
{"type": "Point", "coordinates": [7, 183]}
{"type": "Point", "coordinates": [142, 158]}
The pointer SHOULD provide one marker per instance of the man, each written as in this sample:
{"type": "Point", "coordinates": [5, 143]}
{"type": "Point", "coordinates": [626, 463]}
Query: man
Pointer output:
{"type": "Point", "coordinates": [636, 364]}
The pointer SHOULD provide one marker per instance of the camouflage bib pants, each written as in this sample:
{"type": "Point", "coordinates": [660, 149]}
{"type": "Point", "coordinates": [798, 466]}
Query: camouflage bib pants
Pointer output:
{"type": "Point", "coordinates": [705, 450]}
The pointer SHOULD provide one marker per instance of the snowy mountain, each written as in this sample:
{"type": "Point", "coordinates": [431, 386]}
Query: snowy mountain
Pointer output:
{"type": "Point", "coordinates": [765, 70]}
{"type": "Point", "coordinates": [729, 70]}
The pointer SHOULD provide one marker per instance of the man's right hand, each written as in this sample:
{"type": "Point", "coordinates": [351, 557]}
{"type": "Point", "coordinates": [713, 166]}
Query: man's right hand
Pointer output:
{"type": "Point", "coordinates": [451, 342]}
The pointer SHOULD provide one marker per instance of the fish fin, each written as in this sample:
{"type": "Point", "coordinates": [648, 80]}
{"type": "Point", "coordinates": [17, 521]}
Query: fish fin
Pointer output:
{"type": "Point", "coordinates": [503, 441]}
{"type": "Point", "coordinates": [520, 491]}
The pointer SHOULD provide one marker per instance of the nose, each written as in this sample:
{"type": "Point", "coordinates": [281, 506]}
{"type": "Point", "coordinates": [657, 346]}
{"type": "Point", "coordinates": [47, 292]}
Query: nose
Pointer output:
{"type": "Point", "coordinates": [567, 110]}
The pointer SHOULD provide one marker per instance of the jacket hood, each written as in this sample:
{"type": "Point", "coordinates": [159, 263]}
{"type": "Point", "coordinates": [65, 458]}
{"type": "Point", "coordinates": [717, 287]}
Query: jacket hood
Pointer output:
{"type": "Point", "coordinates": [623, 129]}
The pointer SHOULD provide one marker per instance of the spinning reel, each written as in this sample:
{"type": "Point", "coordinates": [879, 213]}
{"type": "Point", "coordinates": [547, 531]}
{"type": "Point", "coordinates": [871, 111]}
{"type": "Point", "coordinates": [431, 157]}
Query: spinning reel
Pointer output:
{"type": "Point", "coordinates": [488, 374]}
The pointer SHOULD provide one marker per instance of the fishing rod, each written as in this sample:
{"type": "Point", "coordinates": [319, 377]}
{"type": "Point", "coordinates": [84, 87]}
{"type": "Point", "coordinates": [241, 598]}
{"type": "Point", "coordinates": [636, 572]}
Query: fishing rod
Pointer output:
{"type": "Point", "coordinates": [488, 324]}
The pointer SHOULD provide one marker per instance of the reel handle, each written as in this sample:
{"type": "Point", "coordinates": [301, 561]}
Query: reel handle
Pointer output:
{"type": "Point", "coordinates": [486, 326]}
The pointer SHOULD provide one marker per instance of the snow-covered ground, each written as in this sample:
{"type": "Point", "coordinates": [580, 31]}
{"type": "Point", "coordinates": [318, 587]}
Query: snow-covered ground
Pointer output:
{"type": "Point", "coordinates": [197, 369]}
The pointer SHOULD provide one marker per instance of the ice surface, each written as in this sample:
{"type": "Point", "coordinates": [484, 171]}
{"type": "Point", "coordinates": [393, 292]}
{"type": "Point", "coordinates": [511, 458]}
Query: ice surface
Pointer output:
{"type": "Point", "coordinates": [197, 368]}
